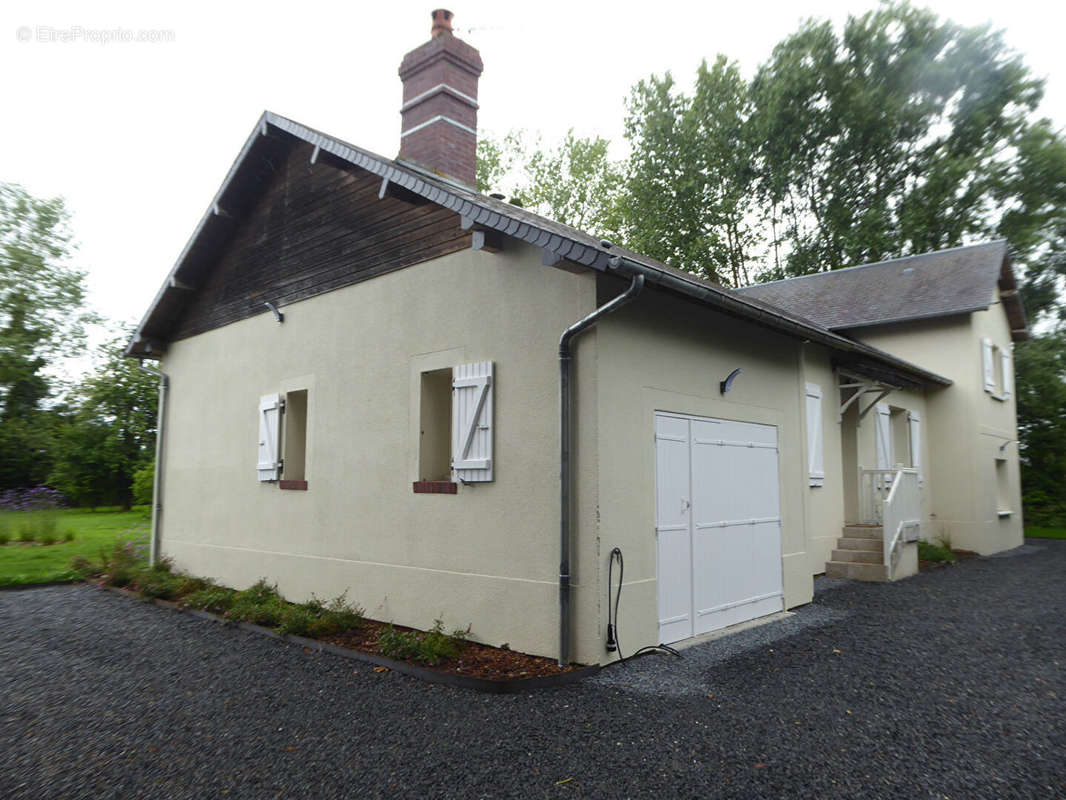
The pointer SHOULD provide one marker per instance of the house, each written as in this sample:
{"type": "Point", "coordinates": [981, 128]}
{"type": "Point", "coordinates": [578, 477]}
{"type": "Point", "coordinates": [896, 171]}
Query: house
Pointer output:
{"type": "Point", "coordinates": [377, 380]}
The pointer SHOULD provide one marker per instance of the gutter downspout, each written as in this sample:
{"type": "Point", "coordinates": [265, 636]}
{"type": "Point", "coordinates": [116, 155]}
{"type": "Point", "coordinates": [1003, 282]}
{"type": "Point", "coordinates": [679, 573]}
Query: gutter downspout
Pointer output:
{"type": "Point", "coordinates": [157, 483]}
{"type": "Point", "coordinates": [565, 471]}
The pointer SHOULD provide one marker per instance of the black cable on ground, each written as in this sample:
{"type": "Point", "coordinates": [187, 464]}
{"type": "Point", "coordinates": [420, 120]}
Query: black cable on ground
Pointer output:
{"type": "Point", "coordinates": [614, 641]}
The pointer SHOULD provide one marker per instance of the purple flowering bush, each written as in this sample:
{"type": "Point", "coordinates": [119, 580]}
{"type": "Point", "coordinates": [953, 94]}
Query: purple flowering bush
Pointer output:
{"type": "Point", "coordinates": [39, 498]}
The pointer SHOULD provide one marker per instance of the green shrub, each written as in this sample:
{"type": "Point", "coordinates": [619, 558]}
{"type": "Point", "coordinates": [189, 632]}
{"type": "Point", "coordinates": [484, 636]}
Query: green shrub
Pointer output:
{"type": "Point", "coordinates": [343, 614]}
{"type": "Point", "coordinates": [47, 539]}
{"type": "Point", "coordinates": [215, 599]}
{"type": "Point", "coordinates": [26, 532]}
{"type": "Point", "coordinates": [429, 647]}
{"type": "Point", "coordinates": [260, 604]}
{"type": "Point", "coordinates": [5, 536]}
{"type": "Point", "coordinates": [259, 592]}
{"type": "Point", "coordinates": [397, 644]}
{"type": "Point", "coordinates": [157, 582]}
{"type": "Point", "coordinates": [85, 568]}
{"type": "Point", "coordinates": [935, 551]}
{"type": "Point", "coordinates": [143, 484]}
{"type": "Point", "coordinates": [263, 612]}
{"type": "Point", "coordinates": [122, 564]}
{"type": "Point", "coordinates": [297, 620]}
{"type": "Point", "coordinates": [68, 536]}
{"type": "Point", "coordinates": [188, 584]}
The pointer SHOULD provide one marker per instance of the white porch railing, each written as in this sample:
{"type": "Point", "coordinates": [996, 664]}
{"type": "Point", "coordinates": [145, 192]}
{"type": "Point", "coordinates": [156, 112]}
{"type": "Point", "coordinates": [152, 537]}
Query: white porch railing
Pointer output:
{"type": "Point", "coordinates": [892, 498]}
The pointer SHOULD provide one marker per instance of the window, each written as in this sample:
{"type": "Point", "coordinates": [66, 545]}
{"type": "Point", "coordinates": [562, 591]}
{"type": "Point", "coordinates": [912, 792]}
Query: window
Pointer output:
{"type": "Point", "coordinates": [455, 427]}
{"type": "Point", "coordinates": [815, 466]}
{"type": "Point", "coordinates": [294, 418]}
{"type": "Point", "coordinates": [914, 428]}
{"type": "Point", "coordinates": [435, 426]}
{"type": "Point", "coordinates": [282, 447]}
{"type": "Point", "coordinates": [1002, 488]}
{"type": "Point", "coordinates": [996, 366]}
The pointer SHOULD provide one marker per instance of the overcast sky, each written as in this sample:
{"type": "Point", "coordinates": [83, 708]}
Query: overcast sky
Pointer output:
{"type": "Point", "coordinates": [138, 135]}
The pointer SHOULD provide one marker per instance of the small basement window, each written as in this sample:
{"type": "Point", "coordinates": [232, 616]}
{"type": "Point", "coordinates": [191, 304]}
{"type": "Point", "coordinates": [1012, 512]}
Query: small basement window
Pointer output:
{"type": "Point", "coordinates": [294, 433]}
{"type": "Point", "coordinates": [1002, 488]}
{"type": "Point", "coordinates": [435, 427]}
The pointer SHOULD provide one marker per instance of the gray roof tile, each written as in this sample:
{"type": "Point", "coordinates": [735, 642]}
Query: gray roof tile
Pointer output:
{"type": "Point", "coordinates": [937, 284]}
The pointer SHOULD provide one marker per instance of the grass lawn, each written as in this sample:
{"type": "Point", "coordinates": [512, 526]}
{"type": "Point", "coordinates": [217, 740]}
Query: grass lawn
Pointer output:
{"type": "Point", "coordinates": [1046, 533]}
{"type": "Point", "coordinates": [93, 531]}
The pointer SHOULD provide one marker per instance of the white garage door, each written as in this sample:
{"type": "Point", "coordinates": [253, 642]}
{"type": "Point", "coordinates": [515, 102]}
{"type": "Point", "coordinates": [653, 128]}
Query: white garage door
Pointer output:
{"type": "Point", "coordinates": [718, 523]}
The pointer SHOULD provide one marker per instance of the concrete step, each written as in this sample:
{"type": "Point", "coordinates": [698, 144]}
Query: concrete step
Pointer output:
{"type": "Point", "coordinates": [863, 531]}
{"type": "Point", "coordinates": [859, 556]}
{"type": "Point", "coordinates": [847, 543]}
{"type": "Point", "coordinates": [856, 572]}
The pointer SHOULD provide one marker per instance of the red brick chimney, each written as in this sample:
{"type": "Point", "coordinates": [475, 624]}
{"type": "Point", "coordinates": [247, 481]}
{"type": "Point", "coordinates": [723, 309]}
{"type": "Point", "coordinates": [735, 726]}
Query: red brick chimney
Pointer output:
{"type": "Point", "coordinates": [438, 130]}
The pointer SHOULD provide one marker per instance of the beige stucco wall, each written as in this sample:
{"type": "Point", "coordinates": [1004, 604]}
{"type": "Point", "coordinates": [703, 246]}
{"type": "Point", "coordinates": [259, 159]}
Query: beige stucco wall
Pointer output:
{"type": "Point", "coordinates": [663, 353]}
{"type": "Point", "coordinates": [487, 555]}
{"type": "Point", "coordinates": [965, 427]}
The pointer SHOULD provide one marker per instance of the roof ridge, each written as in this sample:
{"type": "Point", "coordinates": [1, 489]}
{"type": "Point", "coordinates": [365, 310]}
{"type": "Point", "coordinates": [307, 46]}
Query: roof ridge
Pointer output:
{"type": "Point", "coordinates": [874, 264]}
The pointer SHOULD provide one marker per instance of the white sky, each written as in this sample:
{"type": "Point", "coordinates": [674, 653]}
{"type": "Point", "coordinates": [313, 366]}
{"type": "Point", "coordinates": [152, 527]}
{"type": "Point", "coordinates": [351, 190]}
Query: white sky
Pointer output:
{"type": "Point", "coordinates": [138, 136]}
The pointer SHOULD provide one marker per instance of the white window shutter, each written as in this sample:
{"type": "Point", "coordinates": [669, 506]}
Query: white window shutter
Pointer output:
{"type": "Point", "coordinates": [815, 468]}
{"type": "Point", "coordinates": [1004, 357]}
{"type": "Point", "coordinates": [989, 365]}
{"type": "Point", "coordinates": [472, 422]}
{"type": "Point", "coordinates": [269, 430]}
{"type": "Point", "coordinates": [884, 436]}
{"type": "Point", "coordinates": [914, 425]}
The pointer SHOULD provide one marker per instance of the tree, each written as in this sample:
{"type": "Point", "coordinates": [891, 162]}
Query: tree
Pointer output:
{"type": "Point", "coordinates": [1040, 380]}
{"type": "Point", "coordinates": [689, 198]}
{"type": "Point", "coordinates": [903, 135]}
{"type": "Point", "coordinates": [112, 432]}
{"type": "Point", "coordinates": [41, 318]}
{"type": "Point", "coordinates": [574, 182]}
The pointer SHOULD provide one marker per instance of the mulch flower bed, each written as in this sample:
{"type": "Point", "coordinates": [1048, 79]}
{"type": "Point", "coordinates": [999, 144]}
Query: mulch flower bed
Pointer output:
{"type": "Point", "coordinates": [925, 566]}
{"type": "Point", "coordinates": [474, 660]}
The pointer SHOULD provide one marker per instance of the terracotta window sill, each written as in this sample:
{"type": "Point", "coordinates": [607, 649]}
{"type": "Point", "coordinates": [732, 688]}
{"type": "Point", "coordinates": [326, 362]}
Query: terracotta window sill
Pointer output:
{"type": "Point", "coordinates": [297, 485]}
{"type": "Point", "coordinates": [436, 487]}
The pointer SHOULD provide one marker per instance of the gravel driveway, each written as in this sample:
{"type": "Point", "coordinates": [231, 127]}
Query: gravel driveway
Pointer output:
{"type": "Point", "coordinates": [948, 684]}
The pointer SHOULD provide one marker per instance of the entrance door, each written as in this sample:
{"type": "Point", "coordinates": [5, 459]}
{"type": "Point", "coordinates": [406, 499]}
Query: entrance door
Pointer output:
{"type": "Point", "coordinates": [718, 523]}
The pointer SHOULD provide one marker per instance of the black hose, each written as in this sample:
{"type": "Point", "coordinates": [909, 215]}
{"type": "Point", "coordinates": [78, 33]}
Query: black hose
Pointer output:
{"type": "Point", "coordinates": [614, 641]}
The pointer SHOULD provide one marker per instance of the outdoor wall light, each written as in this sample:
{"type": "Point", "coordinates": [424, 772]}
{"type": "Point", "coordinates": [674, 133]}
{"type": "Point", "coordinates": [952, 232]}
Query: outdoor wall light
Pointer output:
{"type": "Point", "coordinates": [727, 384]}
{"type": "Point", "coordinates": [278, 316]}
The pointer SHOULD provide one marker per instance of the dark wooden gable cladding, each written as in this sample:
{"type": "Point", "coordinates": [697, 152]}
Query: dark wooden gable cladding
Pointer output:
{"type": "Point", "coordinates": [316, 228]}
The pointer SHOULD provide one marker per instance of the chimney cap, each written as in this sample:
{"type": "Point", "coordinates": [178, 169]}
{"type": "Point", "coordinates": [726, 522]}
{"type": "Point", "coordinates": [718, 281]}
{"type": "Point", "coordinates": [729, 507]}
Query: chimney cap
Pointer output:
{"type": "Point", "coordinates": [442, 22]}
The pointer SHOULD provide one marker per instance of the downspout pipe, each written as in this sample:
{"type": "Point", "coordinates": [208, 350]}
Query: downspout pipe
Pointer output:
{"type": "Point", "coordinates": [565, 459]}
{"type": "Point", "coordinates": [157, 483]}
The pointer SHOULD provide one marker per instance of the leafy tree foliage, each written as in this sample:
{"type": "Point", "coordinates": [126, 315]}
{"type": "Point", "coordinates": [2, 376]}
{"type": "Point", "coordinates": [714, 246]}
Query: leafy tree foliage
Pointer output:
{"type": "Point", "coordinates": [574, 182]}
{"type": "Point", "coordinates": [1040, 368]}
{"type": "Point", "coordinates": [110, 435]}
{"type": "Point", "coordinates": [902, 135]}
{"type": "Point", "coordinates": [689, 197]}
{"type": "Point", "coordinates": [41, 317]}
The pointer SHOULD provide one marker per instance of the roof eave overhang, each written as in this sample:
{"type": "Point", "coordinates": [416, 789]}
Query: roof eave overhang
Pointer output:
{"type": "Point", "coordinates": [489, 214]}
{"type": "Point", "coordinates": [1012, 301]}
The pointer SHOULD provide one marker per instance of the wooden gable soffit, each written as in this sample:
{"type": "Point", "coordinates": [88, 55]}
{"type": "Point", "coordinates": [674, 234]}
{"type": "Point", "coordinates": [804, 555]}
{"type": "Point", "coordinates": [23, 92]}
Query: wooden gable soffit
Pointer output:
{"type": "Point", "coordinates": [550, 258]}
{"type": "Point", "coordinates": [397, 192]}
{"type": "Point", "coordinates": [175, 283]}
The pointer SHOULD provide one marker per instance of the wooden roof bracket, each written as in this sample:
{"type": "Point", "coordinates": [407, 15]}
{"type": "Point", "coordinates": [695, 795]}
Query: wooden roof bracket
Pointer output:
{"type": "Point", "coordinates": [397, 192]}
{"type": "Point", "coordinates": [861, 386]}
{"type": "Point", "coordinates": [487, 239]}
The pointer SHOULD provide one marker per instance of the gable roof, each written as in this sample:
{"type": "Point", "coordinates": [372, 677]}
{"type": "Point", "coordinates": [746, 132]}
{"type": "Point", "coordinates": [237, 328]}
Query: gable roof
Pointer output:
{"type": "Point", "coordinates": [273, 133]}
{"type": "Point", "coordinates": [946, 282]}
